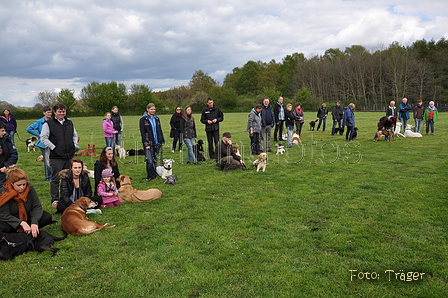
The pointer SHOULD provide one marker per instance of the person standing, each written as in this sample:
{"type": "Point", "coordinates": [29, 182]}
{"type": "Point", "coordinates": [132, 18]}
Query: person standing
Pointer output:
{"type": "Point", "coordinates": [60, 136]}
{"type": "Point", "coordinates": [254, 128]}
{"type": "Point", "coordinates": [279, 115]}
{"type": "Point", "coordinates": [188, 134]}
{"type": "Point", "coordinates": [8, 153]}
{"type": "Point", "coordinates": [349, 120]}
{"type": "Point", "coordinates": [336, 114]}
{"type": "Point", "coordinates": [109, 131]}
{"type": "Point", "coordinates": [290, 118]}
{"type": "Point", "coordinates": [152, 139]}
{"type": "Point", "coordinates": [10, 123]}
{"type": "Point", "coordinates": [430, 117]}
{"type": "Point", "coordinates": [175, 121]}
{"type": "Point", "coordinates": [300, 119]}
{"type": "Point", "coordinates": [211, 116]}
{"type": "Point", "coordinates": [118, 124]}
{"type": "Point", "coordinates": [35, 129]}
{"type": "Point", "coordinates": [322, 114]}
{"type": "Point", "coordinates": [403, 113]}
{"type": "Point", "coordinates": [267, 122]}
{"type": "Point", "coordinates": [392, 109]}
{"type": "Point", "coordinates": [418, 115]}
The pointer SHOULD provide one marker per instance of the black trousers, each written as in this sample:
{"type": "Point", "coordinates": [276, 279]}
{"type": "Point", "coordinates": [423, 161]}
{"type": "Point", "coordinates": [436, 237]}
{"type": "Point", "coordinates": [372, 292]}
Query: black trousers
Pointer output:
{"type": "Point", "coordinates": [278, 129]}
{"type": "Point", "coordinates": [213, 139]}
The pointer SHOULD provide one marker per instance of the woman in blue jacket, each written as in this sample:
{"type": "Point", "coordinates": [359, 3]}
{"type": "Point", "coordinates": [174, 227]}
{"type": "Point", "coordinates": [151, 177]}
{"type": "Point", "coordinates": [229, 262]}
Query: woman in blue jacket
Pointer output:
{"type": "Point", "coordinates": [349, 121]}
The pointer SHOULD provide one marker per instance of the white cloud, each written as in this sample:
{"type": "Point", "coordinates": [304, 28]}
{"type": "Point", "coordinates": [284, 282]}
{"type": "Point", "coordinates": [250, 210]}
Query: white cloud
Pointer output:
{"type": "Point", "coordinates": [56, 44]}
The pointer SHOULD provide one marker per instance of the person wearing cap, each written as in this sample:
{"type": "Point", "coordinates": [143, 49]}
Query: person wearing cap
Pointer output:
{"type": "Point", "coordinates": [386, 123]}
{"type": "Point", "coordinates": [403, 113]}
{"type": "Point", "coordinates": [418, 115]}
{"type": "Point", "coordinates": [75, 183]}
{"type": "Point", "coordinates": [226, 159]}
{"type": "Point", "coordinates": [336, 114]}
{"type": "Point", "coordinates": [108, 190]}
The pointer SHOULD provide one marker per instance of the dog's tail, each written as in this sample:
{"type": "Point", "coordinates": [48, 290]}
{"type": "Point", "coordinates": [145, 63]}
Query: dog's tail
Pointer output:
{"type": "Point", "coordinates": [60, 238]}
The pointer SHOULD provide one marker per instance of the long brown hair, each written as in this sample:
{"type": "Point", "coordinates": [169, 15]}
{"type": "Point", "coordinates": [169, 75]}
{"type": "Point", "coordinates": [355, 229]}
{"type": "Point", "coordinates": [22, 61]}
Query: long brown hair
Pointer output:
{"type": "Point", "coordinates": [186, 116]}
{"type": "Point", "coordinates": [103, 158]}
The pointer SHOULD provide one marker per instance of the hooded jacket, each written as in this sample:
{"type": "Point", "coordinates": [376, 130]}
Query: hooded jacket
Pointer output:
{"type": "Point", "coordinates": [67, 186]}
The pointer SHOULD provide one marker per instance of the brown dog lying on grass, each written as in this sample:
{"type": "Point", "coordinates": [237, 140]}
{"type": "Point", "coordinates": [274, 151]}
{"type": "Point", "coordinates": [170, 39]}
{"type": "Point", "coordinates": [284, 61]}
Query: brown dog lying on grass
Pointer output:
{"type": "Point", "coordinates": [90, 151]}
{"type": "Point", "coordinates": [75, 221]}
{"type": "Point", "coordinates": [127, 193]}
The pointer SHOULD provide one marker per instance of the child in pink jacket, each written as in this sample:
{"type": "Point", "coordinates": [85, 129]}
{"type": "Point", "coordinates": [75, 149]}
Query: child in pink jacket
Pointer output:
{"type": "Point", "coordinates": [107, 189]}
{"type": "Point", "coordinates": [109, 131]}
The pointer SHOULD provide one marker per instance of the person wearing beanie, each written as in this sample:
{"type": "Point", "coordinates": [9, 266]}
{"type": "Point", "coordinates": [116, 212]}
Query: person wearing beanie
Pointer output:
{"type": "Point", "coordinates": [107, 189]}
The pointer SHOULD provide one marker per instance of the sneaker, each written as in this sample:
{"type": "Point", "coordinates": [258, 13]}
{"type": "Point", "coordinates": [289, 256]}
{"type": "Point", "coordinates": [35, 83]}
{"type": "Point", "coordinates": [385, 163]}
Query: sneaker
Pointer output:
{"type": "Point", "coordinates": [188, 162]}
{"type": "Point", "coordinates": [148, 179]}
{"type": "Point", "coordinates": [180, 150]}
{"type": "Point", "coordinates": [196, 163]}
{"type": "Point", "coordinates": [94, 211]}
{"type": "Point", "coordinates": [172, 151]}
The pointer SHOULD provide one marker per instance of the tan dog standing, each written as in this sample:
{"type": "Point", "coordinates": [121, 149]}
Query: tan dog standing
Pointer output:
{"type": "Point", "coordinates": [127, 193]}
{"type": "Point", "coordinates": [75, 221]}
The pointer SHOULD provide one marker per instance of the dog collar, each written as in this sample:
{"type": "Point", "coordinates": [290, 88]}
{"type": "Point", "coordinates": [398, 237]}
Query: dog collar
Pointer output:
{"type": "Point", "coordinates": [85, 210]}
{"type": "Point", "coordinates": [125, 184]}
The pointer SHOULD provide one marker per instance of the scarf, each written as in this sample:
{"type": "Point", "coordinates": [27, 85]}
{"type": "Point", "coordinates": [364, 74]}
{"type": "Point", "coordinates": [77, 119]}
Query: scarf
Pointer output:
{"type": "Point", "coordinates": [20, 198]}
{"type": "Point", "coordinates": [431, 108]}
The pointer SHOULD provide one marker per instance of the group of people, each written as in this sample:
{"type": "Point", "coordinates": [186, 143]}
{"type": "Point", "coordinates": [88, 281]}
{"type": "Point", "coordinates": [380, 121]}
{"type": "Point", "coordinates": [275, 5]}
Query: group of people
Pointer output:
{"type": "Point", "coordinates": [428, 115]}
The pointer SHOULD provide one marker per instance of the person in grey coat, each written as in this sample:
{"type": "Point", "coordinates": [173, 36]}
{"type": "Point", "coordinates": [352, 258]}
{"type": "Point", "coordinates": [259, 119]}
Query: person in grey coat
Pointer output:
{"type": "Point", "coordinates": [254, 128]}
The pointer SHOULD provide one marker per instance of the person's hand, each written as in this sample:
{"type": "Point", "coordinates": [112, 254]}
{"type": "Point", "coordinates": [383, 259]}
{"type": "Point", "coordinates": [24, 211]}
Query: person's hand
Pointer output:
{"type": "Point", "coordinates": [147, 147]}
{"type": "Point", "coordinates": [3, 169]}
{"type": "Point", "coordinates": [34, 230]}
{"type": "Point", "coordinates": [54, 204]}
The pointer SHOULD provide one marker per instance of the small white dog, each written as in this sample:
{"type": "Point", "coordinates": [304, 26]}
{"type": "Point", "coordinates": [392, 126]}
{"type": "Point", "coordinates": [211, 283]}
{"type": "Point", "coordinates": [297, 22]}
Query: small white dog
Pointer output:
{"type": "Point", "coordinates": [260, 163]}
{"type": "Point", "coordinates": [280, 149]}
{"type": "Point", "coordinates": [397, 130]}
{"type": "Point", "coordinates": [167, 168]}
{"type": "Point", "coordinates": [121, 152]}
{"type": "Point", "coordinates": [90, 173]}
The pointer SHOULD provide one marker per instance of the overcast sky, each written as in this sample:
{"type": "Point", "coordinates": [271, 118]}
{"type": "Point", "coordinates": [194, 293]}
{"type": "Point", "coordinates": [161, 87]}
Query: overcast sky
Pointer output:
{"type": "Point", "coordinates": [49, 45]}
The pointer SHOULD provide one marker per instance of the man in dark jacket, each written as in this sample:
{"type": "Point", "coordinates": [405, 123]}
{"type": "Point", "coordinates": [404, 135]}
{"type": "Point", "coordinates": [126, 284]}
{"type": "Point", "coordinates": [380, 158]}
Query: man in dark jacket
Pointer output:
{"type": "Point", "coordinates": [152, 139]}
{"type": "Point", "coordinates": [337, 114]}
{"type": "Point", "coordinates": [59, 135]}
{"type": "Point", "coordinates": [279, 115]}
{"type": "Point", "coordinates": [8, 153]}
{"type": "Point", "coordinates": [211, 116]}
{"type": "Point", "coordinates": [226, 159]}
{"type": "Point", "coordinates": [267, 122]}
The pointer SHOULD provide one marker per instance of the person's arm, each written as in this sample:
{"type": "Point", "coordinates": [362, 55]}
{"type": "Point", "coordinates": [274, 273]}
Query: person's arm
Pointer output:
{"type": "Point", "coordinates": [36, 207]}
{"type": "Point", "coordinates": [33, 129]}
{"type": "Point", "coordinates": [101, 190]}
{"type": "Point", "coordinates": [13, 156]}
{"type": "Point", "coordinates": [45, 135]}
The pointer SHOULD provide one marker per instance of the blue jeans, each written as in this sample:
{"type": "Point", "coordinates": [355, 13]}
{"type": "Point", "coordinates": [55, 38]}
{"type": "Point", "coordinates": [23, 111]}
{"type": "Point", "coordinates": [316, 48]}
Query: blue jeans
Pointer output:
{"type": "Point", "coordinates": [290, 130]}
{"type": "Point", "coordinates": [11, 134]}
{"type": "Point", "coordinates": [46, 154]}
{"type": "Point", "coordinates": [430, 123]}
{"type": "Point", "coordinates": [418, 125]}
{"type": "Point", "coordinates": [190, 142]}
{"type": "Point", "coordinates": [117, 138]}
{"type": "Point", "coordinates": [349, 133]}
{"type": "Point", "coordinates": [109, 142]}
{"type": "Point", "coordinates": [152, 154]}
{"type": "Point", "coordinates": [320, 122]}
{"type": "Point", "coordinates": [404, 121]}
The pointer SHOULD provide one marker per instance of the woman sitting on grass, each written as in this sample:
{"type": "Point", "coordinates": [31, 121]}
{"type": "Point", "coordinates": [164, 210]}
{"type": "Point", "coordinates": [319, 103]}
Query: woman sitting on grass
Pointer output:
{"type": "Point", "coordinates": [20, 207]}
{"type": "Point", "coordinates": [75, 183]}
{"type": "Point", "coordinates": [107, 161]}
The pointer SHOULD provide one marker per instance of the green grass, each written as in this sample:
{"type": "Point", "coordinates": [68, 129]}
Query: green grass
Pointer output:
{"type": "Point", "coordinates": [319, 211]}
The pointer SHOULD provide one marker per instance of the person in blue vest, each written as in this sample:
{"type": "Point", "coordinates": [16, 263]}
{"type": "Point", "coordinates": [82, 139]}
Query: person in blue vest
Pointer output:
{"type": "Point", "coordinates": [35, 129]}
{"type": "Point", "coordinates": [152, 139]}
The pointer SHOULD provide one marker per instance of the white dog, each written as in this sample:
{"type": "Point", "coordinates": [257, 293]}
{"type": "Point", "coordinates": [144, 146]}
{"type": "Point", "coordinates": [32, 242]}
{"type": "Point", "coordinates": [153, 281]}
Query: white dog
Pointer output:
{"type": "Point", "coordinates": [280, 149]}
{"type": "Point", "coordinates": [121, 152]}
{"type": "Point", "coordinates": [165, 170]}
{"type": "Point", "coordinates": [410, 134]}
{"type": "Point", "coordinates": [397, 130]}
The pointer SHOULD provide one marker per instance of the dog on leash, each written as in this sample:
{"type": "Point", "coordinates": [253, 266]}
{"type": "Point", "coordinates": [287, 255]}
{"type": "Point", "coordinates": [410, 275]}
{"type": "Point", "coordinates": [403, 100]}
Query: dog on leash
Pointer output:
{"type": "Point", "coordinates": [31, 143]}
{"type": "Point", "coordinates": [75, 221]}
{"type": "Point", "coordinates": [90, 151]}
{"type": "Point", "coordinates": [384, 132]}
{"type": "Point", "coordinates": [127, 193]}
{"type": "Point", "coordinates": [167, 168]}
{"type": "Point", "coordinates": [14, 244]}
{"type": "Point", "coordinates": [260, 163]}
{"type": "Point", "coordinates": [313, 124]}
{"type": "Point", "coordinates": [121, 152]}
{"type": "Point", "coordinates": [236, 150]}
{"type": "Point", "coordinates": [355, 133]}
{"type": "Point", "coordinates": [197, 149]}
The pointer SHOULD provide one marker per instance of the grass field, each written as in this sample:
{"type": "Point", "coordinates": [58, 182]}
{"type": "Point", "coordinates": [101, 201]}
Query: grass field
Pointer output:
{"type": "Point", "coordinates": [327, 219]}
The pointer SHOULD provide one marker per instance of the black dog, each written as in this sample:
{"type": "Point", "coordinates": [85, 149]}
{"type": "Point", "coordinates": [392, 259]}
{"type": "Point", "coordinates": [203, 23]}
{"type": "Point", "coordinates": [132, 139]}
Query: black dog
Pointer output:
{"type": "Point", "coordinates": [339, 129]}
{"type": "Point", "coordinates": [14, 244]}
{"type": "Point", "coordinates": [355, 133]}
{"type": "Point", "coordinates": [133, 152]}
{"type": "Point", "coordinates": [197, 151]}
{"type": "Point", "coordinates": [313, 124]}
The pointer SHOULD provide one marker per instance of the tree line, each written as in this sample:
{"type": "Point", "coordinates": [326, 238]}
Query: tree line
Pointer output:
{"type": "Point", "coordinates": [370, 78]}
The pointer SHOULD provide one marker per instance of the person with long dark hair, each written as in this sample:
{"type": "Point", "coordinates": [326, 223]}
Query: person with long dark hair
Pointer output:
{"type": "Point", "coordinates": [107, 161]}
{"type": "Point", "coordinates": [175, 132]}
{"type": "Point", "coordinates": [10, 123]}
{"type": "Point", "coordinates": [188, 133]}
